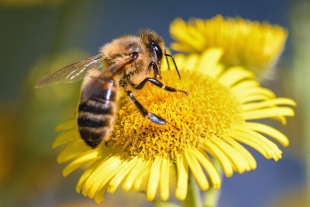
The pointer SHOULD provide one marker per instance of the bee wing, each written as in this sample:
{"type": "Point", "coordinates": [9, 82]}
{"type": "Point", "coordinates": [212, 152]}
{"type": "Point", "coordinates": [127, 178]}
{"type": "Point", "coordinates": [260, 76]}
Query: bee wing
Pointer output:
{"type": "Point", "coordinates": [92, 87]}
{"type": "Point", "coordinates": [71, 73]}
{"type": "Point", "coordinates": [117, 67]}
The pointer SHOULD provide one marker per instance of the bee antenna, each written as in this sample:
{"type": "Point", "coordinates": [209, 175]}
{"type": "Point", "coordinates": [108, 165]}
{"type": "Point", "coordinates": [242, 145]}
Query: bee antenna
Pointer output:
{"type": "Point", "coordinates": [166, 55]}
{"type": "Point", "coordinates": [175, 65]}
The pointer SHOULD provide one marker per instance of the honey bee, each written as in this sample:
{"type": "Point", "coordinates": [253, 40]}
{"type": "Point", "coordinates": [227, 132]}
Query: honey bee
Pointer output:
{"type": "Point", "coordinates": [128, 61]}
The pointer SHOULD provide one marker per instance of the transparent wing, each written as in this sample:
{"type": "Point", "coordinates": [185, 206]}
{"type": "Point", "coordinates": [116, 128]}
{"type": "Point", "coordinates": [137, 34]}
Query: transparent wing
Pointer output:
{"type": "Point", "coordinates": [71, 73]}
{"type": "Point", "coordinates": [91, 88]}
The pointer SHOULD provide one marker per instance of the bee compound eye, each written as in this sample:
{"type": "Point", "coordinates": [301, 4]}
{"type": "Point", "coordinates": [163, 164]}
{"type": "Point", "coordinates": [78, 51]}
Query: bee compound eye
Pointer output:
{"type": "Point", "coordinates": [159, 53]}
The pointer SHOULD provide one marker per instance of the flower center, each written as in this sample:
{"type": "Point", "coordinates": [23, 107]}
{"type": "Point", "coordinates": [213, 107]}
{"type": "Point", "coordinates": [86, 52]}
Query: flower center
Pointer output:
{"type": "Point", "coordinates": [210, 110]}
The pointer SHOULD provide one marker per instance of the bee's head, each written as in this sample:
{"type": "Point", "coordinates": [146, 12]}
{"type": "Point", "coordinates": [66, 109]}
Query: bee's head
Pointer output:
{"type": "Point", "coordinates": [156, 46]}
{"type": "Point", "coordinates": [154, 43]}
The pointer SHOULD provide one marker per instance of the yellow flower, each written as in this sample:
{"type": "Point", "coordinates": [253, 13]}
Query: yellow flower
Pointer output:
{"type": "Point", "coordinates": [214, 121]}
{"type": "Point", "coordinates": [254, 45]}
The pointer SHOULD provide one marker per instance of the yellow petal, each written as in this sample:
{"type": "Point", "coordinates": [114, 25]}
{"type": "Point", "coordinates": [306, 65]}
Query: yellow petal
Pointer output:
{"type": "Point", "coordinates": [243, 151]}
{"type": "Point", "coordinates": [192, 61]}
{"type": "Point", "coordinates": [71, 124]}
{"type": "Point", "coordinates": [87, 157]}
{"type": "Point", "coordinates": [100, 176]}
{"type": "Point", "coordinates": [153, 179]}
{"type": "Point", "coordinates": [253, 97]}
{"type": "Point", "coordinates": [137, 185]}
{"type": "Point", "coordinates": [235, 74]}
{"type": "Point", "coordinates": [243, 138]}
{"type": "Point", "coordinates": [196, 170]}
{"type": "Point", "coordinates": [118, 178]}
{"type": "Point", "coordinates": [86, 174]}
{"type": "Point", "coordinates": [244, 85]}
{"type": "Point", "coordinates": [181, 47]}
{"type": "Point", "coordinates": [271, 150]}
{"type": "Point", "coordinates": [72, 150]}
{"type": "Point", "coordinates": [133, 174]}
{"type": "Point", "coordinates": [268, 103]}
{"type": "Point", "coordinates": [268, 113]}
{"type": "Point", "coordinates": [207, 164]}
{"type": "Point", "coordinates": [182, 179]}
{"type": "Point", "coordinates": [239, 163]}
{"type": "Point", "coordinates": [270, 131]}
{"type": "Point", "coordinates": [99, 194]}
{"type": "Point", "coordinates": [255, 94]}
{"type": "Point", "coordinates": [208, 65]}
{"type": "Point", "coordinates": [65, 137]}
{"type": "Point", "coordinates": [220, 156]}
{"type": "Point", "coordinates": [164, 179]}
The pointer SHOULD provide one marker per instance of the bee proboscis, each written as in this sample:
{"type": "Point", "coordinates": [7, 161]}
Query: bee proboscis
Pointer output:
{"type": "Point", "coordinates": [128, 61]}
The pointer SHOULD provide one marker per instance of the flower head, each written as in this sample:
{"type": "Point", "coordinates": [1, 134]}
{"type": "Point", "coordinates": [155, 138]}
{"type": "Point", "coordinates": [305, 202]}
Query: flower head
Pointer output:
{"type": "Point", "coordinates": [214, 121]}
{"type": "Point", "coordinates": [254, 45]}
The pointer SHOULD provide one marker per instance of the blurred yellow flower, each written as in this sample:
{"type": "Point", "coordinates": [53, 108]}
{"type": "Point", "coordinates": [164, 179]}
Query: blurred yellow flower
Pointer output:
{"type": "Point", "coordinates": [256, 46]}
{"type": "Point", "coordinates": [214, 121]}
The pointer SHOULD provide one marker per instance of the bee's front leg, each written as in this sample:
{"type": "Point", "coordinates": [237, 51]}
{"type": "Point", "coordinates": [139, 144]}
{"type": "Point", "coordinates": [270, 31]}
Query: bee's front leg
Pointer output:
{"type": "Point", "coordinates": [152, 117]}
{"type": "Point", "coordinates": [159, 84]}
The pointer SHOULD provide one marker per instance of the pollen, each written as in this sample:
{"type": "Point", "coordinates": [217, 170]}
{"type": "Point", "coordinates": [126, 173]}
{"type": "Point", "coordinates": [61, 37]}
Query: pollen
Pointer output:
{"type": "Point", "coordinates": [210, 110]}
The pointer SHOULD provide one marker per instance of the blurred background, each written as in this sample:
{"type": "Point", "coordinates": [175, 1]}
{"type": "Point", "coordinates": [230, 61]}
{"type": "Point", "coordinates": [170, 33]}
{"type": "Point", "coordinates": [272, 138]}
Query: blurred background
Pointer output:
{"type": "Point", "coordinates": [40, 36]}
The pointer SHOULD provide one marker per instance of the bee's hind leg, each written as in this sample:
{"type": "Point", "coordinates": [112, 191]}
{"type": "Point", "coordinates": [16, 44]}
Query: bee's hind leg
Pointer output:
{"type": "Point", "coordinates": [152, 117]}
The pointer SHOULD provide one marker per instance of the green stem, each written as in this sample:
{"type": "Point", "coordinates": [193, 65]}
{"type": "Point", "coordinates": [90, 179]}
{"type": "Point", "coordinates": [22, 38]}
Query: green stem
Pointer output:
{"type": "Point", "coordinates": [211, 196]}
{"type": "Point", "coordinates": [160, 203]}
{"type": "Point", "coordinates": [193, 198]}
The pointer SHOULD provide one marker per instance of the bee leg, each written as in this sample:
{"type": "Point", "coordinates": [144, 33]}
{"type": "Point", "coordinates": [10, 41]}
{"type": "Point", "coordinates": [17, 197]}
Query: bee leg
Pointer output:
{"type": "Point", "coordinates": [152, 117]}
{"type": "Point", "coordinates": [159, 84]}
{"type": "Point", "coordinates": [155, 70]}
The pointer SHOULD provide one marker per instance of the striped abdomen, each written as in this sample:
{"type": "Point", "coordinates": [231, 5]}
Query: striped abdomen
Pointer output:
{"type": "Point", "coordinates": [97, 110]}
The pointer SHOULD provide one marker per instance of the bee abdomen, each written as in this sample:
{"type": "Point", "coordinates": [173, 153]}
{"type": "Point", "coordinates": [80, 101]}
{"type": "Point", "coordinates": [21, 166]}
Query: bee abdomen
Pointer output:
{"type": "Point", "coordinates": [96, 120]}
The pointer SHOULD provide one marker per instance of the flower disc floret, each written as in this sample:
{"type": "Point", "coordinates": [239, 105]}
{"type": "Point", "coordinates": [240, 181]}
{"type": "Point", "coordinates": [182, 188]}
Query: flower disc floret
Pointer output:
{"type": "Point", "coordinates": [209, 110]}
